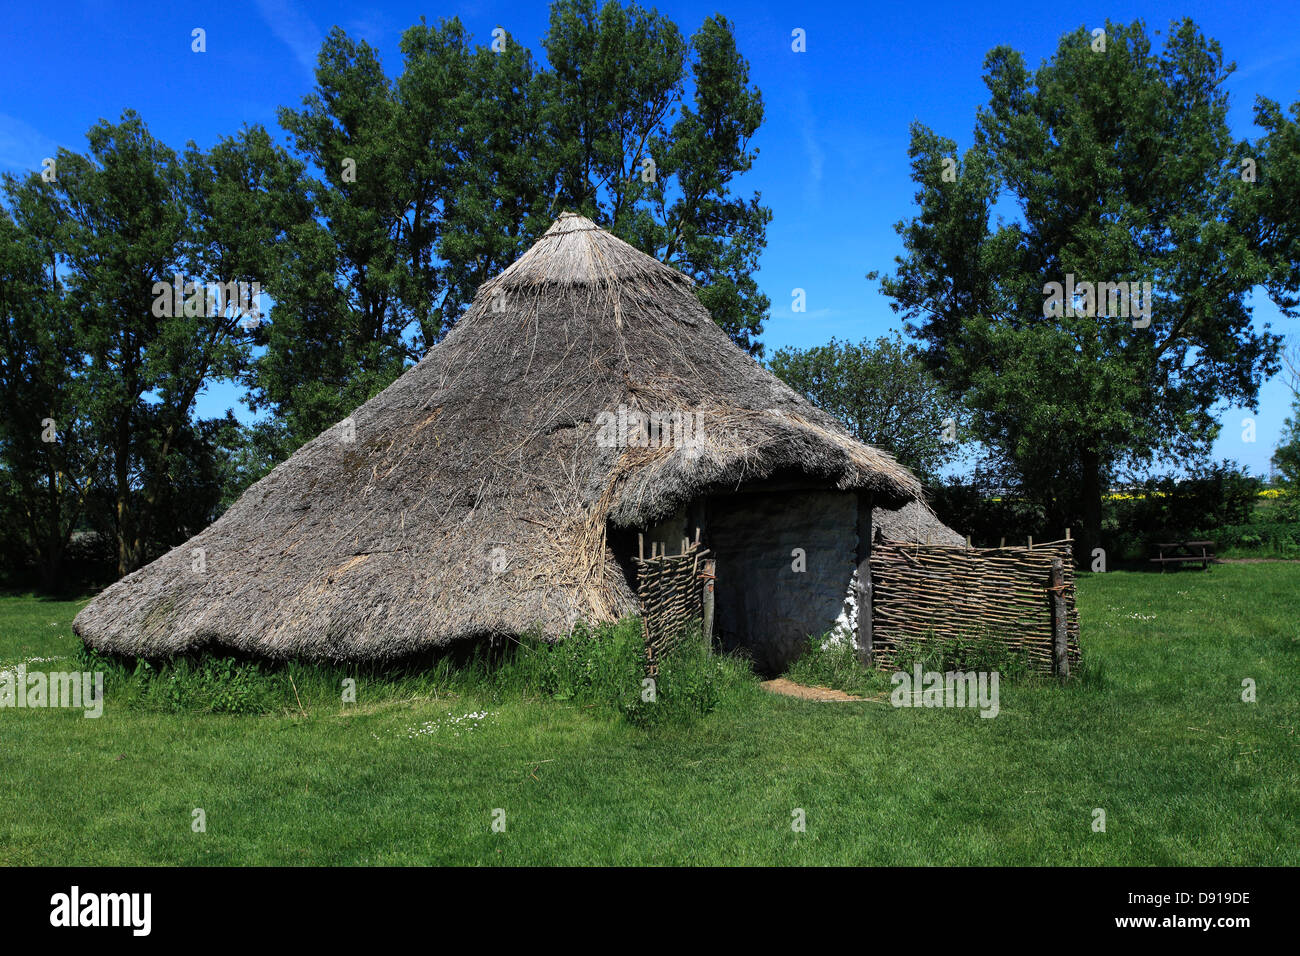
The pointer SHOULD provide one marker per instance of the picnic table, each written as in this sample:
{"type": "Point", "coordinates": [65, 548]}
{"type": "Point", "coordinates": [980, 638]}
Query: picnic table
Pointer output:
{"type": "Point", "coordinates": [1184, 552]}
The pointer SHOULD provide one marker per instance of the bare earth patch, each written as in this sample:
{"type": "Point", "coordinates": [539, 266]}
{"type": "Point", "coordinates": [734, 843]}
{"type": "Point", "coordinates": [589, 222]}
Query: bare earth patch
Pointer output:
{"type": "Point", "coordinates": [821, 694]}
{"type": "Point", "coordinates": [1256, 561]}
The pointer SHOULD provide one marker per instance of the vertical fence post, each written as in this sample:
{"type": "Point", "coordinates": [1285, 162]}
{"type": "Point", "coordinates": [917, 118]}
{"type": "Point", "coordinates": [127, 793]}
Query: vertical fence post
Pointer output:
{"type": "Point", "coordinates": [1060, 647]}
{"type": "Point", "coordinates": [866, 649]}
{"type": "Point", "coordinates": [709, 568]}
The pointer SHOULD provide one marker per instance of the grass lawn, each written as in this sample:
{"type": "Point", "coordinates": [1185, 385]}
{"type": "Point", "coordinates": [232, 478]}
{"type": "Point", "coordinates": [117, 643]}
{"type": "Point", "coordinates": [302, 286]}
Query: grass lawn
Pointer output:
{"type": "Point", "coordinates": [1186, 772]}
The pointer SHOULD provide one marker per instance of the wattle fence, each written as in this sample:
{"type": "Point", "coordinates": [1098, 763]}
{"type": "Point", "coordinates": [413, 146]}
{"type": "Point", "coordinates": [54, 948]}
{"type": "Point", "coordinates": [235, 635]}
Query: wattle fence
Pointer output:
{"type": "Point", "coordinates": [676, 593]}
{"type": "Point", "coordinates": [1022, 597]}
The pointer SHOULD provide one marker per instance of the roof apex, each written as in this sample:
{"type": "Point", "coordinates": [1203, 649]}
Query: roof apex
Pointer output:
{"type": "Point", "coordinates": [575, 251]}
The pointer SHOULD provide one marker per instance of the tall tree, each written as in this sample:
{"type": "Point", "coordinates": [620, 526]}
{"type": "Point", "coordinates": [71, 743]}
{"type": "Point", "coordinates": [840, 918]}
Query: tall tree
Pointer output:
{"type": "Point", "coordinates": [122, 217]}
{"type": "Point", "coordinates": [423, 187]}
{"type": "Point", "coordinates": [338, 326]}
{"type": "Point", "coordinates": [659, 172]}
{"type": "Point", "coordinates": [130, 218]}
{"type": "Point", "coordinates": [1286, 457]}
{"type": "Point", "coordinates": [47, 465]}
{"type": "Point", "coordinates": [428, 184]}
{"type": "Point", "coordinates": [1267, 202]}
{"type": "Point", "coordinates": [1120, 163]}
{"type": "Point", "coordinates": [883, 393]}
{"type": "Point", "coordinates": [501, 173]}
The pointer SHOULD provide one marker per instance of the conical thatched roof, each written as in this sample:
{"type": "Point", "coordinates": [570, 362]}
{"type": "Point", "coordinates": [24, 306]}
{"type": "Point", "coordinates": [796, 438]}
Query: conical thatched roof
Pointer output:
{"type": "Point", "coordinates": [471, 497]}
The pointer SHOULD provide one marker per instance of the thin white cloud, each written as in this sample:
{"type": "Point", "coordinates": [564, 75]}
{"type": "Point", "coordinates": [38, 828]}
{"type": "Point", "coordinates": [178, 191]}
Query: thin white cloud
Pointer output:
{"type": "Point", "coordinates": [23, 146]}
{"type": "Point", "coordinates": [812, 147]}
{"type": "Point", "coordinates": [1265, 64]}
{"type": "Point", "coordinates": [294, 29]}
{"type": "Point", "coordinates": [785, 312]}
{"type": "Point", "coordinates": [816, 157]}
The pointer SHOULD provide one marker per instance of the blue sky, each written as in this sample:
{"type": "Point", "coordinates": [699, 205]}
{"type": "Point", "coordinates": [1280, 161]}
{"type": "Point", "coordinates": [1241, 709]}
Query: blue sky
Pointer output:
{"type": "Point", "coordinates": [833, 161]}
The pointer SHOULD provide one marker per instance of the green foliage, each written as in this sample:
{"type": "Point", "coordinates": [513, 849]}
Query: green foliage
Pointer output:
{"type": "Point", "coordinates": [43, 483]}
{"type": "Point", "coordinates": [990, 513]}
{"type": "Point", "coordinates": [598, 668]}
{"type": "Point", "coordinates": [115, 366]}
{"type": "Point", "coordinates": [1195, 506]}
{"type": "Point", "coordinates": [358, 293]}
{"type": "Point", "coordinates": [1266, 208]}
{"type": "Point", "coordinates": [883, 393]}
{"type": "Point", "coordinates": [592, 665]}
{"type": "Point", "coordinates": [605, 667]}
{"type": "Point", "coordinates": [692, 683]}
{"type": "Point", "coordinates": [834, 663]}
{"type": "Point", "coordinates": [618, 74]}
{"type": "Point", "coordinates": [1286, 457]}
{"type": "Point", "coordinates": [426, 184]}
{"type": "Point", "coordinates": [211, 685]}
{"type": "Point", "coordinates": [1123, 169]}
{"type": "Point", "coordinates": [1171, 508]}
{"type": "Point", "coordinates": [976, 652]}
{"type": "Point", "coordinates": [1285, 509]}
{"type": "Point", "coordinates": [1274, 539]}
{"type": "Point", "coordinates": [215, 685]}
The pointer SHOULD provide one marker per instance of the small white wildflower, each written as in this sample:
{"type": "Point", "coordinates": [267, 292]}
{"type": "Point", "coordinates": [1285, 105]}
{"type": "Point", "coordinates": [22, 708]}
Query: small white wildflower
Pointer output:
{"type": "Point", "coordinates": [11, 669]}
{"type": "Point", "coordinates": [467, 721]}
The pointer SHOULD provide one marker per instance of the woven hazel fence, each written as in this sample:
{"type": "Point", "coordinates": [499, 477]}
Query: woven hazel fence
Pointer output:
{"type": "Point", "coordinates": [674, 591]}
{"type": "Point", "coordinates": [1007, 595]}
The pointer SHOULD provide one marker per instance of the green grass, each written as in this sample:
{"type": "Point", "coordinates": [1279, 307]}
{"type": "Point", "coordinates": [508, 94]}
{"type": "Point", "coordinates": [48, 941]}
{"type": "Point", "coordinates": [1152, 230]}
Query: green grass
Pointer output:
{"type": "Point", "coordinates": [1157, 736]}
{"type": "Point", "coordinates": [1259, 540]}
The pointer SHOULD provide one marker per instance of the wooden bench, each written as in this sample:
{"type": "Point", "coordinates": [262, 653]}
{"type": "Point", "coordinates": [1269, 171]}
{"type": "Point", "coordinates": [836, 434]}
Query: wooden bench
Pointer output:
{"type": "Point", "coordinates": [1184, 552]}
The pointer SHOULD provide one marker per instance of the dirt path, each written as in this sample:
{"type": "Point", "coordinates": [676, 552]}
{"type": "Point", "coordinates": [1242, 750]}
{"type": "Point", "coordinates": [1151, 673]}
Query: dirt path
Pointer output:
{"type": "Point", "coordinates": [820, 694]}
{"type": "Point", "coordinates": [1257, 561]}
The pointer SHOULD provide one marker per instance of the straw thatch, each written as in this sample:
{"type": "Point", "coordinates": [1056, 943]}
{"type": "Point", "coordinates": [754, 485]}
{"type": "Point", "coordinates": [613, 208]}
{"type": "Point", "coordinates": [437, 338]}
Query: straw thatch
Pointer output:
{"type": "Point", "coordinates": [472, 496]}
{"type": "Point", "coordinates": [915, 522]}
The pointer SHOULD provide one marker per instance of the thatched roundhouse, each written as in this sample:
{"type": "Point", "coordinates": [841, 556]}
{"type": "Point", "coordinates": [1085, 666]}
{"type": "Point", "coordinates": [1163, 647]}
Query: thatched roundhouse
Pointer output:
{"type": "Point", "coordinates": [498, 486]}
